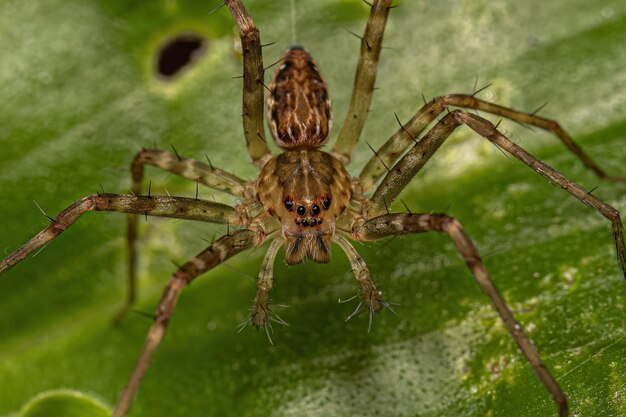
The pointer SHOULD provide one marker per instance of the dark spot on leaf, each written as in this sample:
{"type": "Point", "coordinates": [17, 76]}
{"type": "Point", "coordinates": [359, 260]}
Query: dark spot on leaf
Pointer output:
{"type": "Point", "coordinates": [178, 53]}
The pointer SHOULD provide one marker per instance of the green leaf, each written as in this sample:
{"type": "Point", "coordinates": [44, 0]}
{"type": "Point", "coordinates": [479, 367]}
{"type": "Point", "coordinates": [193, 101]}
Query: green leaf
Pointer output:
{"type": "Point", "coordinates": [65, 403]}
{"type": "Point", "coordinates": [80, 98]}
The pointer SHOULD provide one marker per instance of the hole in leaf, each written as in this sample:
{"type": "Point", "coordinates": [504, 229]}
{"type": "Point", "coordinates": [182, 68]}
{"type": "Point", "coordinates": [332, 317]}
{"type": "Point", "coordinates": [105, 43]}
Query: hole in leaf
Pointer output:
{"type": "Point", "coordinates": [178, 54]}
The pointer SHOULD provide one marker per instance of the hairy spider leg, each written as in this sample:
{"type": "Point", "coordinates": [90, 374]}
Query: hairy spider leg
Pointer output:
{"type": "Point", "coordinates": [190, 169]}
{"type": "Point", "coordinates": [396, 224]}
{"type": "Point", "coordinates": [222, 249]}
{"type": "Point", "coordinates": [253, 84]}
{"type": "Point", "coordinates": [382, 226]}
{"type": "Point", "coordinates": [173, 207]}
{"type": "Point", "coordinates": [261, 313]}
{"type": "Point", "coordinates": [371, 45]}
{"type": "Point", "coordinates": [397, 144]}
{"type": "Point", "coordinates": [369, 294]}
{"type": "Point", "coordinates": [471, 102]}
{"type": "Point", "coordinates": [413, 161]}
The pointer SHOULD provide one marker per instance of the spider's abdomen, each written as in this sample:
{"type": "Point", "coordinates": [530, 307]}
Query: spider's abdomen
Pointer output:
{"type": "Point", "coordinates": [298, 105]}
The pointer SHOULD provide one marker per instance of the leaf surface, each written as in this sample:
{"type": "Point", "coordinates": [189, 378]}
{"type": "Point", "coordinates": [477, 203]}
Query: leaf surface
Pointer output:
{"type": "Point", "coordinates": [79, 99]}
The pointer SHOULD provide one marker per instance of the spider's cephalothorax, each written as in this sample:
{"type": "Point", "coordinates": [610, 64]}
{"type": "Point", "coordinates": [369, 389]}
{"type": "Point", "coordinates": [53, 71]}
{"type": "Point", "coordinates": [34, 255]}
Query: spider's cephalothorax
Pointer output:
{"type": "Point", "coordinates": [305, 190]}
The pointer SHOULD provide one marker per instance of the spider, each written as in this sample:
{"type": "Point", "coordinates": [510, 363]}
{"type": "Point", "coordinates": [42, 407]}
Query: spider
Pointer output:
{"type": "Point", "coordinates": [304, 199]}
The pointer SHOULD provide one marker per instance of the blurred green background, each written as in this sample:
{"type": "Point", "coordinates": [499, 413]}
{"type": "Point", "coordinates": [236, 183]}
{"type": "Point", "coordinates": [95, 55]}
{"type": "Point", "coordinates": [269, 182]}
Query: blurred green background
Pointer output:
{"type": "Point", "coordinates": [80, 98]}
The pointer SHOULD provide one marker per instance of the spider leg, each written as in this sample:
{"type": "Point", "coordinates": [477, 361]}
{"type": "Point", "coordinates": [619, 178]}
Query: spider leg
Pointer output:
{"type": "Point", "coordinates": [468, 101]}
{"type": "Point", "coordinates": [395, 224]}
{"type": "Point", "coordinates": [411, 163]}
{"type": "Point", "coordinates": [371, 44]}
{"type": "Point", "coordinates": [186, 168]}
{"type": "Point", "coordinates": [397, 144]}
{"type": "Point", "coordinates": [261, 313]}
{"type": "Point", "coordinates": [215, 254]}
{"type": "Point", "coordinates": [391, 150]}
{"type": "Point", "coordinates": [369, 294]}
{"type": "Point", "coordinates": [174, 207]}
{"type": "Point", "coordinates": [253, 94]}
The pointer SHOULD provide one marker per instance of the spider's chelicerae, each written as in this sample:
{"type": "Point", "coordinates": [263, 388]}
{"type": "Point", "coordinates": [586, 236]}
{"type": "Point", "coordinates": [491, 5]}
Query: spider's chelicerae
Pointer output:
{"type": "Point", "coordinates": [304, 199]}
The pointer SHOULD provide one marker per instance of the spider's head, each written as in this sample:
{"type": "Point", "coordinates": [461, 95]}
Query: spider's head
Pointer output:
{"type": "Point", "coordinates": [308, 227]}
{"type": "Point", "coordinates": [306, 191]}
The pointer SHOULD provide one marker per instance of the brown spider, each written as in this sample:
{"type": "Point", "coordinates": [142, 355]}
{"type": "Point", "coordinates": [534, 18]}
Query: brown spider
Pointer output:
{"type": "Point", "coordinates": [304, 199]}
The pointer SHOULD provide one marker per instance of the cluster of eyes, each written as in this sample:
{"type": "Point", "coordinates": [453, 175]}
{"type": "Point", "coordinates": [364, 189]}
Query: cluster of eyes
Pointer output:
{"type": "Point", "coordinates": [301, 210]}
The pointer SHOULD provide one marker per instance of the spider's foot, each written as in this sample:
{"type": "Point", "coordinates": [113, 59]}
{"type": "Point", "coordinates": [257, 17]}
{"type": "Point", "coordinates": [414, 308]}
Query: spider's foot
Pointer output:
{"type": "Point", "coordinates": [262, 317]}
{"type": "Point", "coordinates": [372, 299]}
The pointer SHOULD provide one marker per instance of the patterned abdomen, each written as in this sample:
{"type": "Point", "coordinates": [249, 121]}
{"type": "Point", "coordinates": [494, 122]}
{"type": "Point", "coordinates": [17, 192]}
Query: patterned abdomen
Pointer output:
{"type": "Point", "coordinates": [298, 106]}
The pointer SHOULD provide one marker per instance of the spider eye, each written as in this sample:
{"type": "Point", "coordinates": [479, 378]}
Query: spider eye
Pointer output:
{"type": "Point", "coordinates": [301, 210]}
{"type": "Point", "coordinates": [289, 205]}
{"type": "Point", "coordinates": [326, 203]}
{"type": "Point", "coordinates": [305, 223]}
{"type": "Point", "coordinates": [315, 210]}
